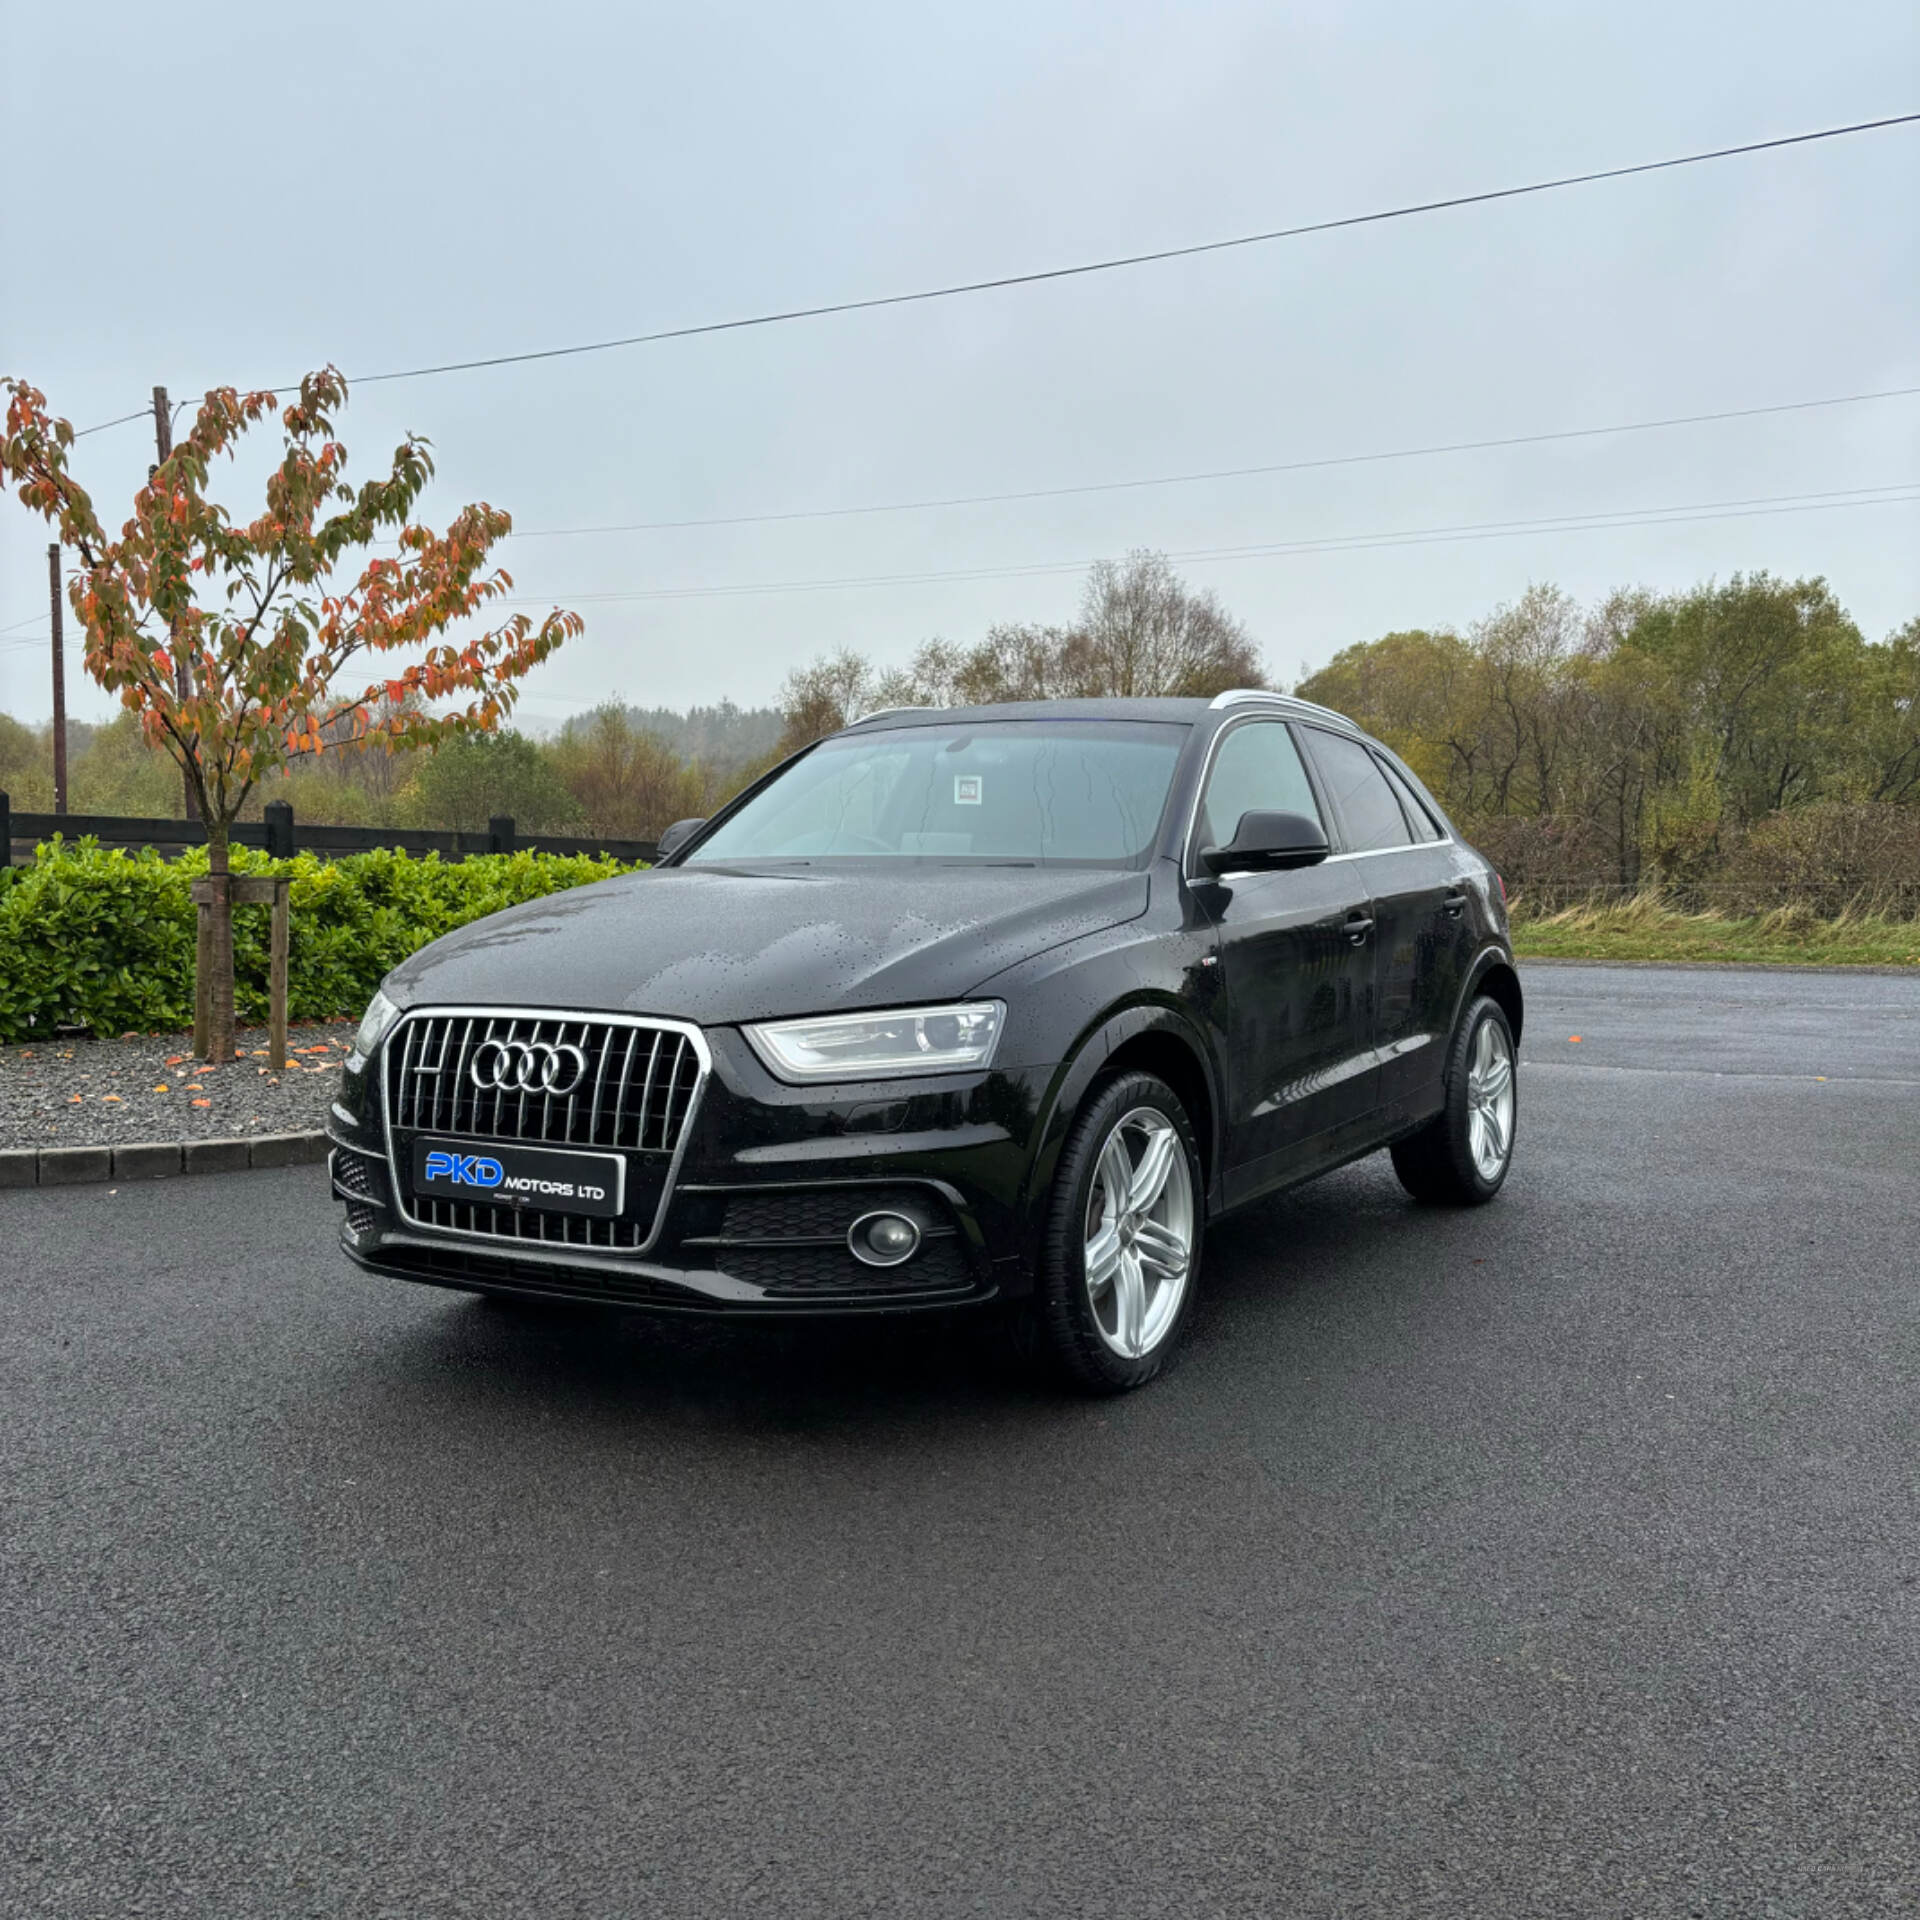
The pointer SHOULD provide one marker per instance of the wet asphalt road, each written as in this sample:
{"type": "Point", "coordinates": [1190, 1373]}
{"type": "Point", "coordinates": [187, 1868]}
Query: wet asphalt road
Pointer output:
{"type": "Point", "coordinates": [1557, 1559]}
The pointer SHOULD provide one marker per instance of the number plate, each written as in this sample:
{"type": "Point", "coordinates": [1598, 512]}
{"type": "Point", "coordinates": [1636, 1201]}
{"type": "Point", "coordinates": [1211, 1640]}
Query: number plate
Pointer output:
{"type": "Point", "coordinates": [497, 1173]}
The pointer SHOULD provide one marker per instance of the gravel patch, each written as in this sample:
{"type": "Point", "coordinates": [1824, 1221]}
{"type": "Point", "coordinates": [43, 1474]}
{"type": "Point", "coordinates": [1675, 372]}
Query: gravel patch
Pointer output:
{"type": "Point", "coordinates": [80, 1093]}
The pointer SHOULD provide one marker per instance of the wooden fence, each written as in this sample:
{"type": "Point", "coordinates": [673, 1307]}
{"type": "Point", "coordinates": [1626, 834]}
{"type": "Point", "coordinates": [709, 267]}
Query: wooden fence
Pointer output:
{"type": "Point", "coordinates": [281, 836]}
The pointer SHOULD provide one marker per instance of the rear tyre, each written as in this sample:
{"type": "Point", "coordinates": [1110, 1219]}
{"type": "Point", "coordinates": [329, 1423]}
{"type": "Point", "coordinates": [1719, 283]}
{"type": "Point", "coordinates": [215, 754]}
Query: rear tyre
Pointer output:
{"type": "Point", "coordinates": [1120, 1257]}
{"type": "Point", "coordinates": [1460, 1157]}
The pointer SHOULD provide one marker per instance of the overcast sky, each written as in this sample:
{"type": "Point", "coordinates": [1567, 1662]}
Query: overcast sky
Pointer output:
{"type": "Point", "coordinates": [204, 194]}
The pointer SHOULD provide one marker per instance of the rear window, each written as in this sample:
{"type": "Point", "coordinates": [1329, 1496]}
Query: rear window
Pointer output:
{"type": "Point", "coordinates": [1425, 827]}
{"type": "Point", "coordinates": [1368, 811]}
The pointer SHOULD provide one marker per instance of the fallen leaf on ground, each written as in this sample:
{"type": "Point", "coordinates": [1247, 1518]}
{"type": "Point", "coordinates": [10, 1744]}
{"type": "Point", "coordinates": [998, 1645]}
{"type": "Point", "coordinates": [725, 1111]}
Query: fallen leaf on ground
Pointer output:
{"type": "Point", "coordinates": [202, 1103]}
{"type": "Point", "coordinates": [161, 1088]}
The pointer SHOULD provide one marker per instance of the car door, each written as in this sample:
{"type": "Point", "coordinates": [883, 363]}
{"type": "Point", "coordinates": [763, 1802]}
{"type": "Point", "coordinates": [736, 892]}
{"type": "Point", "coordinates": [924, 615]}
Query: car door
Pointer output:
{"type": "Point", "coordinates": [1448, 871]}
{"type": "Point", "coordinates": [1416, 907]}
{"type": "Point", "coordinates": [1296, 952]}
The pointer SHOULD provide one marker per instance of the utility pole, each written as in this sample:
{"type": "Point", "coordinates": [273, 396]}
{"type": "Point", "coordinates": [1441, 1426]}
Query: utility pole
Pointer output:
{"type": "Point", "coordinates": [182, 684]}
{"type": "Point", "coordinates": [59, 684]}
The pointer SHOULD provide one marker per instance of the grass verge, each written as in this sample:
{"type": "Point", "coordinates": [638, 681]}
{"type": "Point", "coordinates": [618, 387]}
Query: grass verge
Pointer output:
{"type": "Point", "coordinates": [1648, 928]}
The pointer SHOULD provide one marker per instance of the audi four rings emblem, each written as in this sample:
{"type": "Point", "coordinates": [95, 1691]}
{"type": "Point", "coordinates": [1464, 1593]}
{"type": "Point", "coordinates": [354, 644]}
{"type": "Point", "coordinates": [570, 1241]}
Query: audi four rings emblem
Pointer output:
{"type": "Point", "coordinates": [527, 1066]}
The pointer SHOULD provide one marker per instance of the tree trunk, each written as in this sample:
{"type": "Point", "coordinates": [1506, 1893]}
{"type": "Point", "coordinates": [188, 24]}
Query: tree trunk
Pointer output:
{"type": "Point", "coordinates": [219, 985]}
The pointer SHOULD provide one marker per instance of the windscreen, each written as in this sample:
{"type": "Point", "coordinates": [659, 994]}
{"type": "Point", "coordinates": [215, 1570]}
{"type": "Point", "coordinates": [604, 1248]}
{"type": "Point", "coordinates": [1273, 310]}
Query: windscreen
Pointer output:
{"type": "Point", "coordinates": [1076, 792]}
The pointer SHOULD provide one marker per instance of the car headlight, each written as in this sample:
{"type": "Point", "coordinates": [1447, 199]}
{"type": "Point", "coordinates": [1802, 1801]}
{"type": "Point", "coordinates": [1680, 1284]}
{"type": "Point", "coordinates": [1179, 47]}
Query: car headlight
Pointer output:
{"type": "Point", "coordinates": [874, 1046]}
{"type": "Point", "coordinates": [381, 1014]}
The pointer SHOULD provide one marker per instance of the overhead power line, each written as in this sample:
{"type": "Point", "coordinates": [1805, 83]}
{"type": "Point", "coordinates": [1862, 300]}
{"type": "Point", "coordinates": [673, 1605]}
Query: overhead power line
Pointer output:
{"type": "Point", "coordinates": [1114, 264]}
{"type": "Point", "coordinates": [1898, 494]}
{"type": "Point", "coordinates": [141, 414]}
{"type": "Point", "coordinates": [1149, 258]}
{"type": "Point", "coordinates": [1894, 493]}
{"type": "Point", "coordinates": [1215, 473]}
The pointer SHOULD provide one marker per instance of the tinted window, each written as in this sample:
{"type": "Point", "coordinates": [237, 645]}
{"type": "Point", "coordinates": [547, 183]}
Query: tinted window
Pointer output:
{"type": "Point", "coordinates": [1256, 770]}
{"type": "Point", "coordinates": [1424, 825]}
{"type": "Point", "coordinates": [1084, 792]}
{"type": "Point", "coordinates": [1361, 796]}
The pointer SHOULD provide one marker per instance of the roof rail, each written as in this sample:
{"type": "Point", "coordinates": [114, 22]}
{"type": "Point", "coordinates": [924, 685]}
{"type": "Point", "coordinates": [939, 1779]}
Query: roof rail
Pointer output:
{"type": "Point", "coordinates": [881, 713]}
{"type": "Point", "coordinates": [1325, 713]}
{"type": "Point", "coordinates": [1236, 695]}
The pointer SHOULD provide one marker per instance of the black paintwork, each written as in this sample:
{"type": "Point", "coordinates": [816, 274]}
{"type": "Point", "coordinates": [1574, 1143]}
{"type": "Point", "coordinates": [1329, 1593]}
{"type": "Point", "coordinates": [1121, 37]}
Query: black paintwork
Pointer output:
{"type": "Point", "coordinates": [1269, 843]}
{"type": "Point", "coordinates": [718, 945]}
{"type": "Point", "coordinates": [1301, 1014]}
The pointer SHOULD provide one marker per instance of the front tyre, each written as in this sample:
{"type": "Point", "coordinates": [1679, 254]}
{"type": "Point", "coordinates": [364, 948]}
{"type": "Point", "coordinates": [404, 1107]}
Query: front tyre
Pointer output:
{"type": "Point", "coordinates": [1121, 1252]}
{"type": "Point", "coordinates": [1460, 1157]}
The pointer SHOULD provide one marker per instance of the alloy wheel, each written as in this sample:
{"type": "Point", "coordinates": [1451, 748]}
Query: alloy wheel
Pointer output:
{"type": "Point", "coordinates": [1490, 1100]}
{"type": "Point", "coordinates": [1139, 1233]}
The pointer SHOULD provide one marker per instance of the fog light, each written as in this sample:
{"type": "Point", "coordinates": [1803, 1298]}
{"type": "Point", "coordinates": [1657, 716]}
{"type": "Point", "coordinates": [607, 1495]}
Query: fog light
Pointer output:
{"type": "Point", "coordinates": [883, 1239]}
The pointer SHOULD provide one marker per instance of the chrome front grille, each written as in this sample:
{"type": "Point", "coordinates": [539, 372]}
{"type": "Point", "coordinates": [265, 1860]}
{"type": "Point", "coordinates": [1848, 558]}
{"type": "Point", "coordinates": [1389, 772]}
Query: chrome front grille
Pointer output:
{"type": "Point", "coordinates": [634, 1094]}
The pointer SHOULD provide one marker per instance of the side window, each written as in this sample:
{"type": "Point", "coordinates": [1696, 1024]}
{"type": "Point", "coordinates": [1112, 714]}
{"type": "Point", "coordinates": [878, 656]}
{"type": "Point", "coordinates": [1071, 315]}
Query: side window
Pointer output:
{"type": "Point", "coordinates": [1256, 770]}
{"type": "Point", "coordinates": [1425, 827]}
{"type": "Point", "coordinates": [1361, 796]}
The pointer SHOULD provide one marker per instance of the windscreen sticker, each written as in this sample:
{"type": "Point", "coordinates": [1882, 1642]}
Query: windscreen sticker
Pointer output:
{"type": "Point", "coordinates": [966, 789]}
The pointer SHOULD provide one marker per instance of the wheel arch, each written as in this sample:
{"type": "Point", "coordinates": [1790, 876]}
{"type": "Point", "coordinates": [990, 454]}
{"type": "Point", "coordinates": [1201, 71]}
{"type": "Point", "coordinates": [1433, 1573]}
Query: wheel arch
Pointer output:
{"type": "Point", "coordinates": [1495, 975]}
{"type": "Point", "coordinates": [1151, 1037]}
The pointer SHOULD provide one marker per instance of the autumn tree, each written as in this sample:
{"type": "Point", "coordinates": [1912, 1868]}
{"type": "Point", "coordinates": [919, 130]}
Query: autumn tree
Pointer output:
{"type": "Point", "coordinates": [1886, 750]}
{"type": "Point", "coordinates": [627, 782]}
{"type": "Point", "coordinates": [233, 643]}
{"type": "Point", "coordinates": [835, 690]}
{"type": "Point", "coordinates": [465, 782]}
{"type": "Point", "coordinates": [1142, 631]}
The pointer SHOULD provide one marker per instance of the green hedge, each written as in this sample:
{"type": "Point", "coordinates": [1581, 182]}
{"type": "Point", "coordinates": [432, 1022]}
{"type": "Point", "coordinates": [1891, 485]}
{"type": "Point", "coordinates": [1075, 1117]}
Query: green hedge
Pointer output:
{"type": "Point", "coordinates": [105, 940]}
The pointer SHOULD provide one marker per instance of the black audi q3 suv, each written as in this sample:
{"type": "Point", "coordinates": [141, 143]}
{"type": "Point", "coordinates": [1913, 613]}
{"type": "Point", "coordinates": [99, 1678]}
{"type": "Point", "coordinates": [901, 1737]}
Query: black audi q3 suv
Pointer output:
{"type": "Point", "coordinates": [977, 1005]}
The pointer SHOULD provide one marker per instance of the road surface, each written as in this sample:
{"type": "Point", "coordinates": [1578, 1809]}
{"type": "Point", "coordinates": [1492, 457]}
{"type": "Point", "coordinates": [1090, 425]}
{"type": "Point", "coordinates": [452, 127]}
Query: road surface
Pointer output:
{"type": "Point", "coordinates": [1558, 1558]}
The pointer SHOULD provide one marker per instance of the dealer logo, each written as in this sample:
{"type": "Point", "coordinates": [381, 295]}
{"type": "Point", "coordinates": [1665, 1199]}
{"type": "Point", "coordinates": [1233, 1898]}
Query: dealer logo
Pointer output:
{"type": "Point", "coordinates": [527, 1066]}
{"type": "Point", "coordinates": [465, 1169]}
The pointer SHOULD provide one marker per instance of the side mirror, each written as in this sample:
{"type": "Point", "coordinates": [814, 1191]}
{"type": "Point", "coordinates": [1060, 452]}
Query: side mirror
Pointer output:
{"type": "Point", "coordinates": [1269, 843]}
{"type": "Point", "coordinates": [677, 835]}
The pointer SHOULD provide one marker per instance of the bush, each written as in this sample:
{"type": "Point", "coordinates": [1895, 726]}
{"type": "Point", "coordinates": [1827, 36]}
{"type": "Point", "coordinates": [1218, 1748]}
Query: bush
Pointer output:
{"type": "Point", "coordinates": [105, 939]}
{"type": "Point", "coordinates": [1546, 859]}
{"type": "Point", "coordinates": [1830, 856]}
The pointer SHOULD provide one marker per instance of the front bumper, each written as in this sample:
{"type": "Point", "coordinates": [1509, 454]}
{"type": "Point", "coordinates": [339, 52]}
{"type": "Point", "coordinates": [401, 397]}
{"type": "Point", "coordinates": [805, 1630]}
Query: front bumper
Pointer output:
{"type": "Point", "coordinates": [769, 1181]}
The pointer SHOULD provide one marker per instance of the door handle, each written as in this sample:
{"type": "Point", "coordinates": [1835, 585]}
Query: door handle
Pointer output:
{"type": "Point", "coordinates": [1358, 927]}
{"type": "Point", "coordinates": [1456, 904]}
